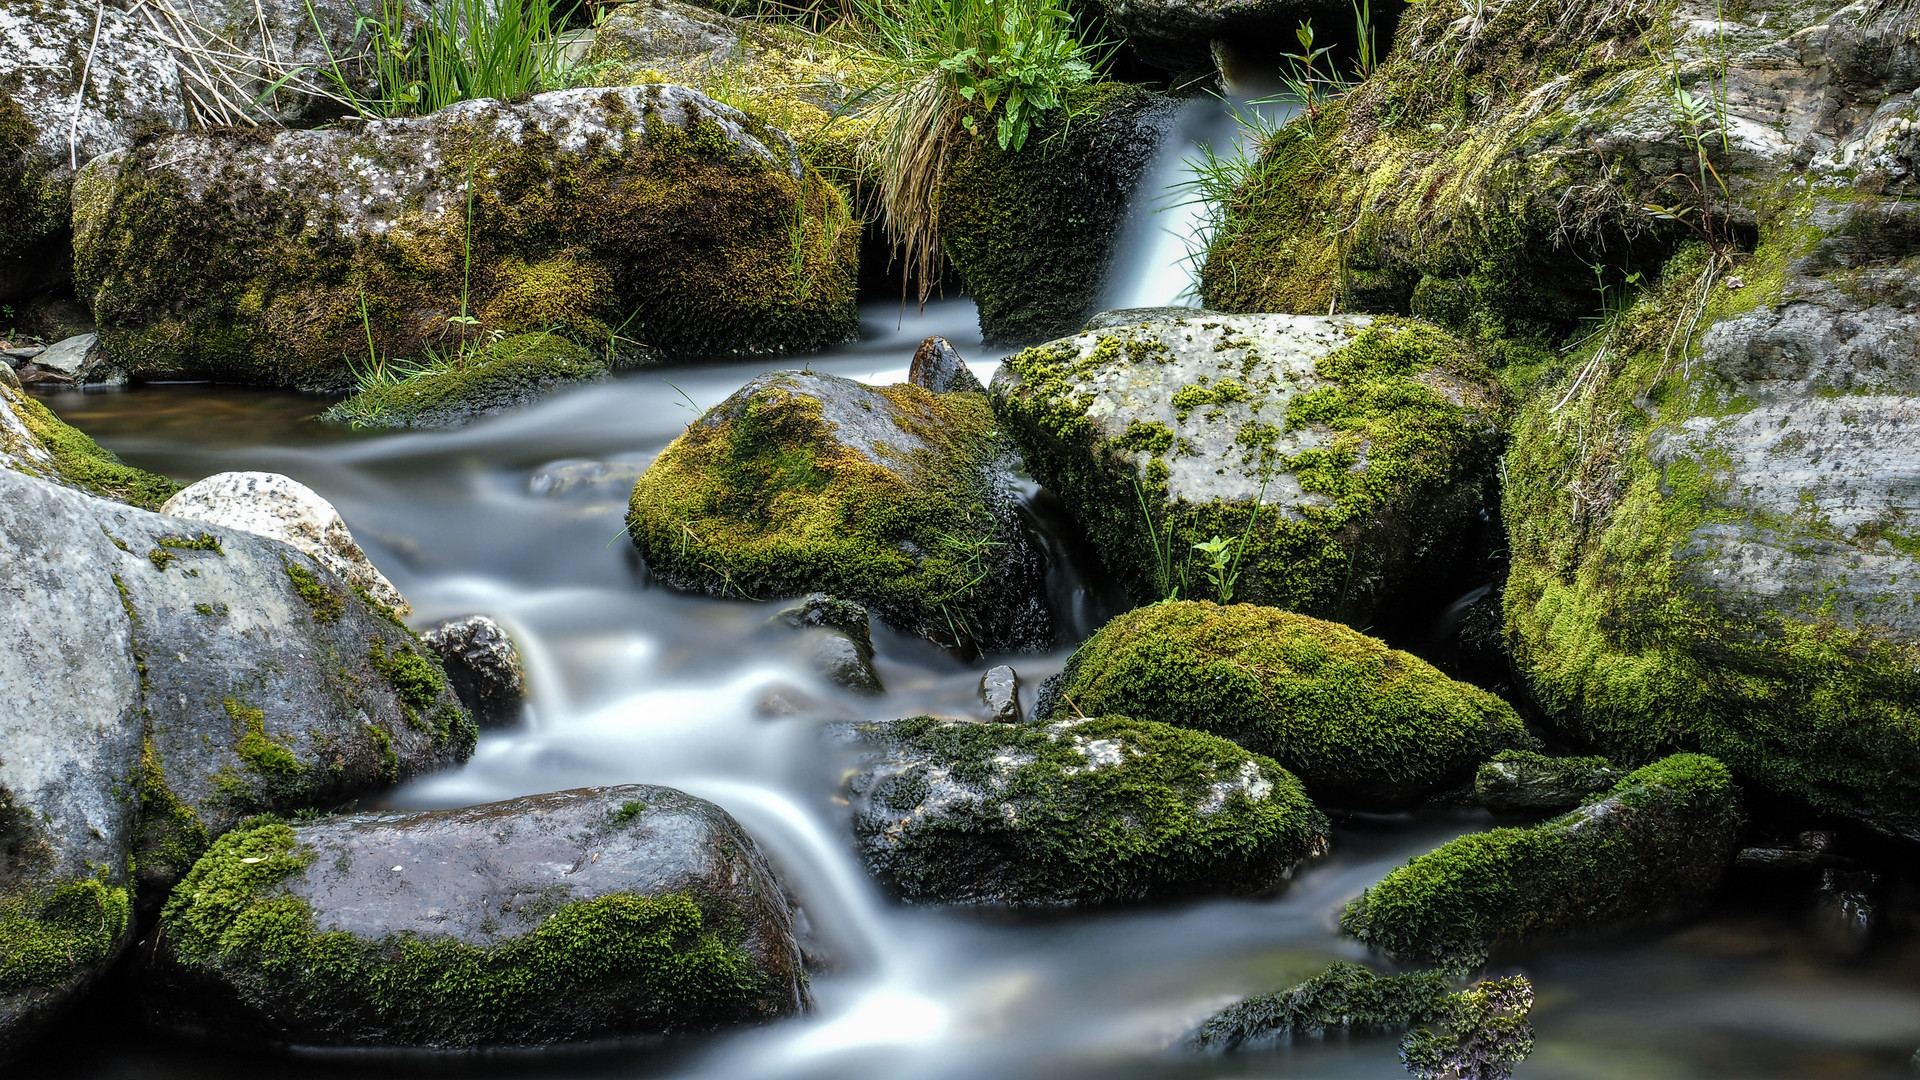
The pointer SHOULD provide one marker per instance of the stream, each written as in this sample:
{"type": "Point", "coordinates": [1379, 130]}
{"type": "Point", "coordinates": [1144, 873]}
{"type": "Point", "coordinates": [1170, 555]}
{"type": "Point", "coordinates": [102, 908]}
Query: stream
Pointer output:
{"type": "Point", "coordinates": [632, 683]}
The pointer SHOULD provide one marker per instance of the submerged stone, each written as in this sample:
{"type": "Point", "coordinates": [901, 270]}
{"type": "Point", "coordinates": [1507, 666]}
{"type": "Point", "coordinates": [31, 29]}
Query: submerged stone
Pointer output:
{"type": "Point", "coordinates": [1345, 998]}
{"type": "Point", "coordinates": [586, 914]}
{"type": "Point", "coordinates": [647, 214]}
{"type": "Point", "coordinates": [1357, 722]}
{"type": "Point", "coordinates": [1073, 813]}
{"type": "Point", "coordinates": [1349, 453]}
{"type": "Point", "coordinates": [504, 375]}
{"type": "Point", "coordinates": [894, 497]}
{"type": "Point", "coordinates": [1526, 780]}
{"type": "Point", "coordinates": [1656, 844]}
{"type": "Point", "coordinates": [483, 667]}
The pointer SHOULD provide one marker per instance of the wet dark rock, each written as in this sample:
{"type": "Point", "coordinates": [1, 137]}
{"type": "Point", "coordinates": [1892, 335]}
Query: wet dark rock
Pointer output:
{"type": "Point", "coordinates": [483, 666]}
{"type": "Point", "coordinates": [900, 499]}
{"type": "Point", "coordinates": [1343, 998]}
{"type": "Point", "coordinates": [1525, 780]}
{"type": "Point", "coordinates": [1000, 693]}
{"type": "Point", "coordinates": [937, 368]}
{"type": "Point", "coordinates": [1846, 911]}
{"type": "Point", "coordinates": [1658, 844]}
{"type": "Point", "coordinates": [8, 378]}
{"type": "Point", "coordinates": [1814, 850]}
{"type": "Point", "coordinates": [585, 914]}
{"type": "Point", "coordinates": [780, 701]}
{"type": "Point", "coordinates": [819, 610]}
{"type": "Point", "coordinates": [1178, 35]}
{"type": "Point", "coordinates": [840, 645]}
{"type": "Point", "coordinates": [1072, 813]}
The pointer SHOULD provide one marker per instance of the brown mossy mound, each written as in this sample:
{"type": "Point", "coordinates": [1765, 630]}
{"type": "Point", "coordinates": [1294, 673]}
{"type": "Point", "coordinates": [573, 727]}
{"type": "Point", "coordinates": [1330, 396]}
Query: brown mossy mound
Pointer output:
{"type": "Point", "coordinates": [507, 374]}
{"type": "Point", "coordinates": [649, 218]}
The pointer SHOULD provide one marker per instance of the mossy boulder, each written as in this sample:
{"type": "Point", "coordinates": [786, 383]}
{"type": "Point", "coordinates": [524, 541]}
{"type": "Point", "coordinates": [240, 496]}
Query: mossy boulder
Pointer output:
{"type": "Point", "coordinates": [1526, 780]}
{"type": "Point", "coordinates": [35, 442]}
{"type": "Point", "coordinates": [894, 497]}
{"type": "Point", "coordinates": [587, 914]}
{"type": "Point", "coordinates": [646, 214]}
{"type": "Point", "coordinates": [1031, 231]}
{"type": "Point", "coordinates": [1655, 845]}
{"type": "Point", "coordinates": [1073, 813]}
{"type": "Point", "coordinates": [1351, 453]}
{"type": "Point", "coordinates": [497, 377]}
{"type": "Point", "coordinates": [1358, 723]}
{"type": "Point", "coordinates": [67, 95]}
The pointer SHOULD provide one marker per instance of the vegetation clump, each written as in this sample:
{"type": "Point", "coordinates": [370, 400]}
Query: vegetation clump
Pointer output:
{"type": "Point", "coordinates": [1344, 997]}
{"type": "Point", "coordinates": [1657, 842]}
{"type": "Point", "coordinates": [460, 386]}
{"type": "Point", "coordinates": [1077, 812]}
{"type": "Point", "coordinates": [1358, 722]}
{"type": "Point", "coordinates": [47, 938]}
{"type": "Point", "coordinates": [78, 460]}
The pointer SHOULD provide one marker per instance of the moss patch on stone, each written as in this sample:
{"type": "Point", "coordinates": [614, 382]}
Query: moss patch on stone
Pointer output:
{"type": "Point", "coordinates": [31, 203]}
{"type": "Point", "coordinates": [168, 834]}
{"type": "Point", "coordinates": [85, 463]}
{"type": "Point", "coordinates": [1358, 722]}
{"type": "Point", "coordinates": [506, 374]}
{"type": "Point", "coordinates": [48, 938]}
{"type": "Point", "coordinates": [665, 957]}
{"type": "Point", "coordinates": [326, 603]}
{"type": "Point", "coordinates": [1659, 841]}
{"type": "Point", "coordinates": [1077, 812]}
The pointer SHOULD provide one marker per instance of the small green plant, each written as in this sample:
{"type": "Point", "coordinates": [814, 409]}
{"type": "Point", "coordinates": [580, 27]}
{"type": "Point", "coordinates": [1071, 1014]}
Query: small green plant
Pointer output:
{"type": "Point", "coordinates": [1368, 57]}
{"type": "Point", "coordinates": [1167, 581]}
{"type": "Point", "coordinates": [1301, 74]}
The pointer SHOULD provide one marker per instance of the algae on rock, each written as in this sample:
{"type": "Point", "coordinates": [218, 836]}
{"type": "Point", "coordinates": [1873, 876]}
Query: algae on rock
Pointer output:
{"type": "Point", "coordinates": [1358, 723]}
{"type": "Point", "coordinates": [649, 213]}
{"type": "Point", "coordinates": [892, 496]}
{"type": "Point", "coordinates": [1073, 812]}
{"type": "Point", "coordinates": [1351, 453]}
{"type": "Point", "coordinates": [1656, 844]}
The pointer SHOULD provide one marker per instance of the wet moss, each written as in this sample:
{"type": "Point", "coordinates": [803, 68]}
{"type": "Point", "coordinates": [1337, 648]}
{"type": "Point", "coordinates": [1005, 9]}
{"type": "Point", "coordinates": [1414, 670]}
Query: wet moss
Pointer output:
{"type": "Point", "coordinates": [1358, 722]}
{"type": "Point", "coordinates": [1658, 842]}
{"type": "Point", "coordinates": [1343, 998]}
{"type": "Point", "coordinates": [1525, 780]}
{"type": "Point", "coordinates": [1077, 812]}
{"type": "Point", "coordinates": [255, 746]}
{"type": "Point", "coordinates": [669, 958]}
{"type": "Point", "coordinates": [168, 834]}
{"type": "Point", "coordinates": [84, 463]}
{"type": "Point", "coordinates": [325, 603]}
{"type": "Point", "coordinates": [760, 499]}
{"type": "Point", "coordinates": [509, 373]}
{"type": "Point", "coordinates": [49, 938]}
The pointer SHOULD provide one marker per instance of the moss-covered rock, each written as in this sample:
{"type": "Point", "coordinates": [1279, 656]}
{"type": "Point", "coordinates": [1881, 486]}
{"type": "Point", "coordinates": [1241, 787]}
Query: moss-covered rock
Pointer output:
{"type": "Point", "coordinates": [1357, 722]}
{"type": "Point", "coordinates": [1350, 453]}
{"type": "Point", "coordinates": [480, 927]}
{"type": "Point", "coordinates": [35, 442]}
{"type": "Point", "coordinates": [1031, 231]}
{"type": "Point", "coordinates": [891, 496]}
{"type": "Point", "coordinates": [503, 375]}
{"type": "Point", "coordinates": [1657, 843]}
{"type": "Point", "coordinates": [68, 93]}
{"type": "Point", "coordinates": [1345, 998]}
{"type": "Point", "coordinates": [1525, 780]}
{"type": "Point", "coordinates": [652, 213]}
{"type": "Point", "coordinates": [1073, 813]}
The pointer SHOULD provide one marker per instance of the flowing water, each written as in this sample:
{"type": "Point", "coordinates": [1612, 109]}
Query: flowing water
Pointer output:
{"type": "Point", "coordinates": [634, 683]}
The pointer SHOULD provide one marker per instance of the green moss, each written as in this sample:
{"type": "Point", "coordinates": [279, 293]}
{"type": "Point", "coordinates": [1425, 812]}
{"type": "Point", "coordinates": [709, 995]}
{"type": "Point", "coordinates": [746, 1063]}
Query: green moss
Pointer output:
{"type": "Point", "coordinates": [507, 374]}
{"type": "Point", "coordinates": [1029, 230]}
{"type": "Point", "coordinates": [1355, 720]}
{"type": "Point", "coordinates": [161, 558]}
{"type": "Point", "coordinates": [670, 236]}
{"type": "Point", "coordinates": [46, 940]}
{"type": "Point", "coordinates": [668, 957]}
{"type": "Point", "coordinates": [1165, 812]}
{"type": "Point", "coordinates": [1344, 997]}
{"type": "Point", "coordinates": [202, 542]}
{"type": "Point", "coordinates": [326, 604]}
{"type": "Point", "coordinates": [1402, 466]}
{"type": "Point", "coordinates": [415, 680]}
{"type": "Point", "coordinates": [1658, 841]}
{"type": "Point", "coordinates": [83, 462]}
{"type": "Point", "coordinates": [760, 499]}
{"type": "Point", "coordinates": [31, 202]}
{"type": "Point", "coordinates": [255, 746]}
{"type": "Point", "coordinates": [169, 834]}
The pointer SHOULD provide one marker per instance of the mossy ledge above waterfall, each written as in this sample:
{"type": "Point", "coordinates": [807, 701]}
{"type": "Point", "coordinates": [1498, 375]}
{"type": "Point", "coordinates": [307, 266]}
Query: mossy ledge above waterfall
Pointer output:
{"type": "Point", "coordinates": [651, 215]}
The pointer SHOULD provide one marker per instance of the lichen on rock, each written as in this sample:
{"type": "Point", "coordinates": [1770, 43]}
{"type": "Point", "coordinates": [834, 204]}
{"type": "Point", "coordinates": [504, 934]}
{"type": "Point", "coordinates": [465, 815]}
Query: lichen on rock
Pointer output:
{"type": "Point", "coordinates": [646, 214]}
{"type": "Point", "coordinates": [890, 496]}
{"type": "Point", "coordinates": [1074, 812]}
{"type": "Point", "coordinates": [1358, 723]}
{"type": "Point", "coordinates": [1349, 452]}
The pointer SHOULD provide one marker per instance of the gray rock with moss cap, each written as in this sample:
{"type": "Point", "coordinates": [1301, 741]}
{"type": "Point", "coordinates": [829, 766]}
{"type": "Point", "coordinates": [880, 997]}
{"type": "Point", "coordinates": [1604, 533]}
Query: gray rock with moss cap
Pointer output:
{"type": "Point", "coordinates": [652, 213]}
{"type": "Point", "coordinates": [1073, 813]}
{"type": "Point", "coordinates": [1654, 846]}
{"type": "Point", "coordinates": [897, 498]}
{"type": "Point", "coordinates": [1363, 443]}
{"type": "Point", "coordinates": [586, 914]}
{"type": "Point", "coordinates": [1359, 723]}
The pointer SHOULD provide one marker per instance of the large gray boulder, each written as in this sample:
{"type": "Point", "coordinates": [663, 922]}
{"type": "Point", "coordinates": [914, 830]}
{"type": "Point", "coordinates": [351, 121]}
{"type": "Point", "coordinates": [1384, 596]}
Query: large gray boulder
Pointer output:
{"type": "Point", "coordinates": [644, 213]}
{"type": "Point", "coordinates": [1349, 451]}
{"type": "Point", "coordinates": [163, 682]}
{"type": "Point", "coordinates": [586, 914]}
{"type": "Point", "coordinates": [1072, 813]}
{"type": "Point", "coordinates": [894, 497]}
{"type": "Point", "coordinates": [76, 80]}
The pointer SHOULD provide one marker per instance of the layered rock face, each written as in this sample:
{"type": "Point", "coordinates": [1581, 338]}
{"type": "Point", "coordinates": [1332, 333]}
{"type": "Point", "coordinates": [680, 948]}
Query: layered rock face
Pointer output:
{"type": "Point", "coordinates": [593, 913]}
{"type": "Point", "coordinates": [1328, 460]}
{"type": "Point", "coordinates": [894, 497]}
{"type": "Point", "coordinates": [272, 259]}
